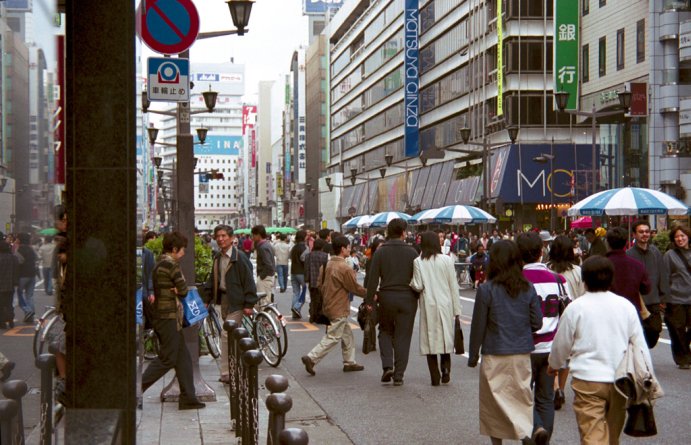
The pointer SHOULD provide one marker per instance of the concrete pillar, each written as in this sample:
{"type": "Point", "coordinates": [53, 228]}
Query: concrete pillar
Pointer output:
{"type": "Point", "coordinates": [101, 205]}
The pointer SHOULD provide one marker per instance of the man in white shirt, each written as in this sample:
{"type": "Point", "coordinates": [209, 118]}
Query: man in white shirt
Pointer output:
{"type": "Point", "coordinates": [594, 332]}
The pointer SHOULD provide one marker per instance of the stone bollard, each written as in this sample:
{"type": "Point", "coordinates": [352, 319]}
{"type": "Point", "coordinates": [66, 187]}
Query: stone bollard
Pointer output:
{"type": "Point", "coordinates": [278, 405]}
{"type": "Point", "coordinates": [229, 327]}
{"type": "Point", "coordinates": [46, 363]}
{"type": "Point", "coordinates": [15, 390]}
{"type": "Point", "coordinates": [8, 411]}
{"type": "Point", "coordinates": [293, 436]}
{"type": "Point", "coordinates": [252, 358]}
{"type": "Point", "coordinates": [235, 375]}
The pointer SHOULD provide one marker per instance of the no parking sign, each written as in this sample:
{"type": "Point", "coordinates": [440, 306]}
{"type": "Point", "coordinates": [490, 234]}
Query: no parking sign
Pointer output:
{"type": "Point", "coordinates": [168, 26]}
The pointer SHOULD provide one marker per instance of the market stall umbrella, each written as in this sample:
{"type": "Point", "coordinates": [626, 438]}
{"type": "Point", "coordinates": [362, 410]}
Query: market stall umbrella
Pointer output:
{"type": "Point", "coordinates": [242, 231]}
{"type": "Point", "coordinates": [582, 223]}
{"type": "Point", "coordinates": [455, 214]}
{"type": "Point", "coordinates": [628, 201]}
{"type": "Point", "coordinates": [286, 230]}
{"type": "Point", "coordinates": [384, 218]}
{"type": "Point", "coordinates": [50, 231]}
{"type": "Point", "coordinates": [356, 222]}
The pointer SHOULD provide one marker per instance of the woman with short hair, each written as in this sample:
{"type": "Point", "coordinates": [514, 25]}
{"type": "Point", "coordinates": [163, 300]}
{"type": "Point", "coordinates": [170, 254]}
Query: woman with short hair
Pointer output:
{"type": "Point", "coordinates": [678, 302]}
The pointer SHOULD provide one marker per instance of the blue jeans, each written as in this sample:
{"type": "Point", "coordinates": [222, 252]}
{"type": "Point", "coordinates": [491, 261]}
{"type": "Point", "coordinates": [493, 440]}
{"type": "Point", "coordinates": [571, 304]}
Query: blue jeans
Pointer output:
{"type": "Point", "coordinates": [543, 387]}
{"type": "Point", "coordinates": [25, 294]}
{"type": "Point", "coordinates": [299, 289]}
{"type": "Point", "coordinates": [48, 280]}
{"type": "Point", "coordinates": [282, 270]}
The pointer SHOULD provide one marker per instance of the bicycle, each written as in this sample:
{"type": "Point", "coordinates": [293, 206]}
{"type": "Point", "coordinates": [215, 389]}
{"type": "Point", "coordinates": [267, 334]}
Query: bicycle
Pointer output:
{"type": "Point", "coordinates": [266, 334]}
{"type": "Point", "coordinates": [212, 330]}
{"type": "Point", "coordinates": [46, 327]}
{"type": "Point", "coordinates": [280, 321]}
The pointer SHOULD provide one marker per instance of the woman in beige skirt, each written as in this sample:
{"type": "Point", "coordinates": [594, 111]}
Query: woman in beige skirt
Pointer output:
{"type": "Point", "coordinates": [507, 312]}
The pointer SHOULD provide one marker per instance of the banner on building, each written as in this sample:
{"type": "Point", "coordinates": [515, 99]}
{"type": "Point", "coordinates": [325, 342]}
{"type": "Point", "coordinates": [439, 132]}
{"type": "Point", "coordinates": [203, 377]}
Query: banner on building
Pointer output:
{"type": "Point", "coordinates": [249, 117]}
{"type": "Point", "coordinates": [59, 115]}
{"type": "Point", "coordinates": [220, 145]}
{"type": "Point", "coordinates": [411, 78]}
{"type": "Point", "coordinates": [319, 7]}
{"type": "Point", "coordinates": [253, 148]}
{"type": "Point", "coordinates": [639, 99]}
{"type": "Point", "coordinates": [566, 50]}
{"type": "Point", "coordinates": [500, 62]}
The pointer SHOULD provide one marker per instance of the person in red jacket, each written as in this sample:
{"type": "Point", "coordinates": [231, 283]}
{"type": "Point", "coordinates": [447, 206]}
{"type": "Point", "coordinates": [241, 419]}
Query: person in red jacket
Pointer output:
{"type": "Point", "coordinates": [630, 275]}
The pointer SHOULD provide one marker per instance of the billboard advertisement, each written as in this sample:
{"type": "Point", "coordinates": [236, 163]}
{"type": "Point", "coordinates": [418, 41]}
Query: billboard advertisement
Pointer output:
{"type": "Point", "coordinates": [220, 145]}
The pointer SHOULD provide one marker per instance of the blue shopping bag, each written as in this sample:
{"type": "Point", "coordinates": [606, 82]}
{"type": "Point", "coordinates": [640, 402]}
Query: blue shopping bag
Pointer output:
{"type": "Point", "coordinates": [193, 308]}
{"type": "Point", "coordinates": [139, 308]}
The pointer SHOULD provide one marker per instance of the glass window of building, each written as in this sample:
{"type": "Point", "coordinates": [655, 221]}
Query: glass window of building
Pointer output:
{"type": "Point", "coordinates": [585, 6]}
{"type": "Point", "coordinates": [640, 41]}
{"type": "Point", "coordinates": [603, 3]}
{"type": "Point", "coordinates": [585, 63]}
{"type": "Point", "coordinates": [621, 55]}
{"type": "Point", "coordinates": [528, 8]}
{"type": "Point", "coordinates": [602, 56]}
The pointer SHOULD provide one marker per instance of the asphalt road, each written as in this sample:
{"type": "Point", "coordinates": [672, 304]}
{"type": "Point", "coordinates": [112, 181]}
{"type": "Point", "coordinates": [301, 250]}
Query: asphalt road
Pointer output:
{"type": "Point", "coordinates": [370, 412]}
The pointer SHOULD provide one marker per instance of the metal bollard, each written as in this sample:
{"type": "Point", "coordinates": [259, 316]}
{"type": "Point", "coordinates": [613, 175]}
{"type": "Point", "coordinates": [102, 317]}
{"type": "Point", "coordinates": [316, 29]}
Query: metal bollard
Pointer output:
{"type": "Point", "coordinates": [293, 436]}
{"type": "Point", "coordinates": [252, 358]}
{"type": "Point", "coordinates": [46, 363]}
{"type": "Point", "coordinates": [244, 344]}
{"type": "Point", "coordinates": [276, 404]}
{"type": "Point", "coordinates": [229, 326]}
{"type": "Point", "coordinates": [15, 390]}
{"type": "Point", "coordinates": [235, 373]}
{"type": "Point", "coordinates": [8, 411]}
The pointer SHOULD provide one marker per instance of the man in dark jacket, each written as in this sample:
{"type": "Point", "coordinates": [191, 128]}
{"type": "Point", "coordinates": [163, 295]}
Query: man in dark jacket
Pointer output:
{"type": "Point", "coordinates": [266, 263]}
{"type": "Point", "coordinates": [9, 278]}
{"type": "Point", "coordinates": [298, 256]}
{"type": "Point", "coordinates": [389, 285]}
{"type": "Point", "coordinates": [597, 246]}
{"type": "Point", "coordinates": [630, 277]}
{"type": "Point", "coordinates": [316, 259]}
{"type": "Point", "coordinates": [27, 276]}
{"type": "Point", "coordinates": [230, 286]}
{"type": "Point", "coordinates": [645, 252]}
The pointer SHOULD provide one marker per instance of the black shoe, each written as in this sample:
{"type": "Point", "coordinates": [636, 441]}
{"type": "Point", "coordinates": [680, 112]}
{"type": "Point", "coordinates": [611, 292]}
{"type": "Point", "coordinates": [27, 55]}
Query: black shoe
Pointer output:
{"type": "Point", "coordinates": [11, 323]}
{"type": "Point", "coordinates": [445, 377]}
{"type": "Point", "coordinates": [296, 314]}
{"type": "Point", "coordinates": [309, 365]}
{"type": "Point", "coordinates": [6, 370]}
{"type": "Point", "coordinates": [540, 436]}
{"type": "Point", "coordinates": [387, 375]}
{"type": "Point", "coordinates": [3, 326]}
{"type": "Point", "coordinates": [29, 317]}
{"type": "Point", "coordinates": [353, 367]}
{"type": "Point", "coordinates": [559, 399]}
{"type": "Point", "coordinates": [397, 382]}
{"type": "Point", "coordinates": [684, 366]}
{"type": "Point", "coordinates": [191, 404]}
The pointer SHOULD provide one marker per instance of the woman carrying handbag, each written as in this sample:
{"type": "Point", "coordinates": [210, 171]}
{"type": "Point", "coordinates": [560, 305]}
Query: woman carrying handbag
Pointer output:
{"type": "Point", "coordinates": [434, 277]}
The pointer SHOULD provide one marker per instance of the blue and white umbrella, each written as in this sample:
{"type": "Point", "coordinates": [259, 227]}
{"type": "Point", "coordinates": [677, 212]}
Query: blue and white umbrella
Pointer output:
{"type": "Point", "coordinates": [629, 201]}
{"type": "Point", "coordinates": [384, 218]}
{"type": "Point", "coordinates": [357, 222]}
{"type": "Point", "coordinates": [455, 214]}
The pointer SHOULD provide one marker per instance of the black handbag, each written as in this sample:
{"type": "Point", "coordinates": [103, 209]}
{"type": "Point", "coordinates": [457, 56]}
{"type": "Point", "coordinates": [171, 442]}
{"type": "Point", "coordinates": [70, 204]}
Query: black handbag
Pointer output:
{"type": "Point", "coordinates": [458, 346]}
{"type": "Point", "coordinates": [640, 420]}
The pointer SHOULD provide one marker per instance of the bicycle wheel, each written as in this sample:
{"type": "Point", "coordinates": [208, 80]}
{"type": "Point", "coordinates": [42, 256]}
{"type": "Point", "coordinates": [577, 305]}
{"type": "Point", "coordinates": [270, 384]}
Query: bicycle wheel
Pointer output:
{"type": "Point", "coordinates": [37, 329]}
{"type": "Point", "coordinates": [280, 322]}
{"type": "Point", "coordinates": [267, 338]}
{"type": "Point", "coordinates": [211, 335]}
{"type": "Point", "coordinates": [51, 329]}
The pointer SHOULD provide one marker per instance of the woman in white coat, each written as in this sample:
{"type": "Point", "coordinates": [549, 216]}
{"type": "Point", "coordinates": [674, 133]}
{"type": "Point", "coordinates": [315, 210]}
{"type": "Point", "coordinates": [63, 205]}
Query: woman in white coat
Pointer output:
{"type": "Point", "coordinates": [434, 276]}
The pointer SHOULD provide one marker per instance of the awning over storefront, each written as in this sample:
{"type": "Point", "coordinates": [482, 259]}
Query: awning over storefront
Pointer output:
{"type": "Point", "coordinates": [463, 191]}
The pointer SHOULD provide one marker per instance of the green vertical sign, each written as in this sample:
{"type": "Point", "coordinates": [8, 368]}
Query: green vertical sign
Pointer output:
{"type": "Point", "coordinates": [500, 62]}
{"type": "Point", "coordinates": [566, 50]}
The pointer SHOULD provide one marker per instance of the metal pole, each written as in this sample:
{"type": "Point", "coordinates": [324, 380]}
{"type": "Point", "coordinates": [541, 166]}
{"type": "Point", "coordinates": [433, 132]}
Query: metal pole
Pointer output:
{"type": "Point", "coordinates": [594, 166]}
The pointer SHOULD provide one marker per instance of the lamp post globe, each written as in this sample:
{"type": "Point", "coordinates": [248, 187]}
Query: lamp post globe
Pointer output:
{"type": "Point", "coordinates": [210, 99]}
{"type": "Point", "coordinates": [624, 99]}
{"type": "Point", "coordinates": [153, 134]}
{"type": "Point", "coordinates": [562, 99]}
{"type": "Point", "coordinates": [465, 134]}
{"type": "Point", "coordinates": [513, 133]}
{"type": "Point", "coordinates": [201, 134]}
{"type": "Point", "coordinates": [389, 159]}
{"type": "Point", "coordinates": [240, 13]}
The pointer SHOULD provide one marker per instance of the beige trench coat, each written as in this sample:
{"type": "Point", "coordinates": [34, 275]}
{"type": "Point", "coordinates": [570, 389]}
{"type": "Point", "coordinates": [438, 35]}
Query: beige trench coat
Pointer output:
{"type": "Point", "coordinates": [435, 279]}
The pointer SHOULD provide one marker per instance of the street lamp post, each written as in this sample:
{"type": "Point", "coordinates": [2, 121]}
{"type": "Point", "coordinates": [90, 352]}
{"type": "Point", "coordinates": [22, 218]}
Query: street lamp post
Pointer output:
{"type": "Point", "coordinates": [543, 158]}
{"type": "Point", "coordinates": [562, 99]}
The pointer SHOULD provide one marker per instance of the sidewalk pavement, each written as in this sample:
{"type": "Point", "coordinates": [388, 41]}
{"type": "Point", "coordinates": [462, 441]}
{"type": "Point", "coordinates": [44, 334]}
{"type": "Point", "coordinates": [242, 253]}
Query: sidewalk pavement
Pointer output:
{"type": "Point", "coordinates": [163, 423]}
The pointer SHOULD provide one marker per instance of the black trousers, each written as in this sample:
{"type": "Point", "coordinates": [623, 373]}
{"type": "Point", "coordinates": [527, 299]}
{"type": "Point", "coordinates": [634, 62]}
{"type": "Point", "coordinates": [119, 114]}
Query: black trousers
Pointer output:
{"type": "Point", "coordinates": [678, 319]}
{"type": "Point", "coordinates": [173, 354]}
{"type": "Point", "coordinates": [396, 320]}
{"type": "Point", "coordinates": [6, 309]}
